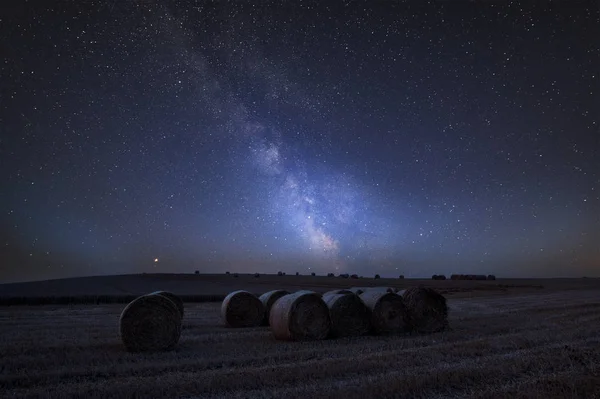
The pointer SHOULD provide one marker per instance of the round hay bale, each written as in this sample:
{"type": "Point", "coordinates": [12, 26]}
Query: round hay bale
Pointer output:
{"type": "Point", "coordinates": [176, 300]}
{"type": "Point", "coordinates": [242, 309]}
{"type": "Point", "coordinates": [338, 292]}
{"type": "Point", "coordinates": [356, 290]}
{"type": "Point", "coordinates": [268, 299]}
{"type": "Point", "coordinates": [388, 314]}
{"type": "Point", "coordinates": [350, 317]}
{"type": "Point", "coordinates": [320, 294]}
{"type": "Point", "coordinates": [150, 323]}
{"type": "Point", "coordinates": [427, 309]}
{"type": "Point", "coordinates": [301, 316]}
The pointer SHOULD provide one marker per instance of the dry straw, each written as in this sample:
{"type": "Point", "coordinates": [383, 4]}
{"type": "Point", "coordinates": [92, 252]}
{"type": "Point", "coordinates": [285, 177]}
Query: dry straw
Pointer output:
{"type": "Point", "coordinates": [350, 317]}
{"type": "Point", "coordinates": [388, 314]}
{"type": "Point", "coordinates": [176, 300]}
{"type": "Point", "coordinates": [268, 299]}
{"type": "Point", "coordinates": [301, 316]}
{"type": "Point", "coordinates": [427, 309]}
{"type": "Point", "coordinates": [242, 309]}
{"type": "Point", "coordinates": [150, 323]}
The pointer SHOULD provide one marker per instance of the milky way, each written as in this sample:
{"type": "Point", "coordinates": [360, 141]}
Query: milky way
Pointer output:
{"type": "Point", "coordinates": [390, 138]}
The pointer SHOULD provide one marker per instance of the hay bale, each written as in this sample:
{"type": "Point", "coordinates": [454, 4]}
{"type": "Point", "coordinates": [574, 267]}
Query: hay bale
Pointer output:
{"type": "Point", "coordinates": [268, 299]}
{"type": "Point", "coordinates": [176, 300]}
{"type": "Point", "coordinates": [388, 314]}
{"type": "Point", "coordinates": [242, 309]}
{"type": "Point", "coordinates": [427, 309]}
{"type": "Point", "coordinates": [301, 316]}
{"type": "Point", "coordinates": [308, 292]}
{"type": "Point", "coordinates": [150, 323]}
{"type": "Point", "coordinates": [338, 292]}
{"type": "Point", "coordinates": [356, 290]}
{"type": "Point", "coordinates": [350, 317]}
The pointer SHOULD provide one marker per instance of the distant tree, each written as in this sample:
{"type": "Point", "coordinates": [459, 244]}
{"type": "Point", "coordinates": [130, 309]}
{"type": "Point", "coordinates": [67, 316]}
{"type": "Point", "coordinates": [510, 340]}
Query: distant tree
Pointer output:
{"type": "Point", "coordinates": [256, 275]}
{"type": "Point", "coordinates": [313, 274]}
{"type": "Point", "coordinates": [235, 275]}
{"type": "Point", "coordinates": [355, 276]}
{"type": "Point", "coordinates": [227, 273]}
{"type": "Point", "coordinates": [492, 277]}
{"type": "Point", "coordinates": [377, 276]}
{"type": "Point", "coordinates": [284, 273]}
{"type": "Point", "coordinates": [197, 272]}
{"type": "Point", "coordinates": [330, 275]}
{"type": "Point", "coordinates": [280, 273]}
{"type": "Point", "coordinates": [401, 277]}
{"type": "Point", "coordinates": [344, 275]}
{"type": "Point", "coordinates": [434, 277]}
{"type": "Point", "coordinates": [297, 274]}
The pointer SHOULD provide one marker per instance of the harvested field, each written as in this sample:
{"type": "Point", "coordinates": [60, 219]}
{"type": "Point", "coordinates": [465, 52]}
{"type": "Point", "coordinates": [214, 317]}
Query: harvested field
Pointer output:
{"type": "Point", "coordinates": [538, 345]}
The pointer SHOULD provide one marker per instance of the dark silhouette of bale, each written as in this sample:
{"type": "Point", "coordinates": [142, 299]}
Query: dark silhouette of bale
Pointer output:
{"type": "Point", "coordinates": [242, 309]}
{"type": "Point", "coordinates": [356, 290]}
{"type": "Point", "coordinates": [176, 300]}
{"type": "Point", "coordinates": [388, 314]}
{"type": "Point", "coordinates": [339, 292]}
{"type": "Point", "coordinates": [330, 275]}
{"type": "Point", "coordinates": [350, 317]}
{"type": "Point", "coordinates": [427, 309]}
{"type": "Point", "coordinates": [401, 277]}
{"type": "Point", "coordinates": [313, 274]}
{"type": "Point", "coordinates": [377, 276]}
{"type": "Point", "coordinates": [227, 273]}
{"type": "Point", "coordinates": [268, 299]}
{"type": "Point", "coordinates": [491, 277]}
{"type": "Point", "coordinates": [197, 272]}
{"type": "Point", "coordinates": [301, 316]}
{"type": "Point", "coordinates": [150, 323]}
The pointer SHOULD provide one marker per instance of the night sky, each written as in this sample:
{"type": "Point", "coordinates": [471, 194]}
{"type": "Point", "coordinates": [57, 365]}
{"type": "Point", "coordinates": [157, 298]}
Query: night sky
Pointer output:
{"type": "Point", "coordinates": [349, 137]}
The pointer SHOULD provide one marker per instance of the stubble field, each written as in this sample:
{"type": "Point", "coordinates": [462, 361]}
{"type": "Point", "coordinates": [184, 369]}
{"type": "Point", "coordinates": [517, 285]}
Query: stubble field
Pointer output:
{"type": "Point", "coordinates": [535, 344]}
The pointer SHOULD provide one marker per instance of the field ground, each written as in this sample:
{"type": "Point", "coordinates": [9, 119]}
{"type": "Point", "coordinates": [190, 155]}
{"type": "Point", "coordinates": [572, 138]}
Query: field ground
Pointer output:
{"type": "Point", "coordinates": [207, 287]}
{"type": "Point", "coordinates": [517, 343]}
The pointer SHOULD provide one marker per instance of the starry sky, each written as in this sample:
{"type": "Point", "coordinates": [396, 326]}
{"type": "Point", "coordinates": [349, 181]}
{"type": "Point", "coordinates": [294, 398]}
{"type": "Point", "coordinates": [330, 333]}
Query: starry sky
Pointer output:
{"type": "Point", "coordinates": [384, 137]}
